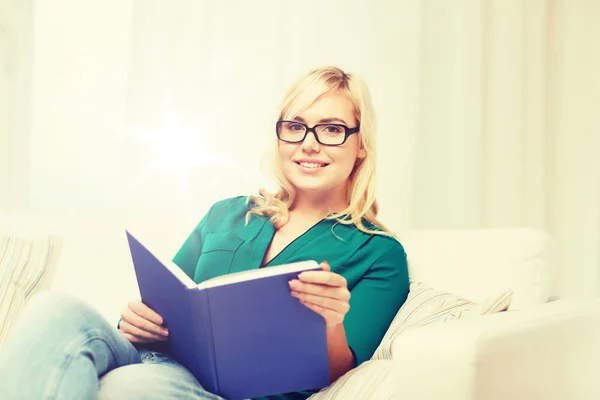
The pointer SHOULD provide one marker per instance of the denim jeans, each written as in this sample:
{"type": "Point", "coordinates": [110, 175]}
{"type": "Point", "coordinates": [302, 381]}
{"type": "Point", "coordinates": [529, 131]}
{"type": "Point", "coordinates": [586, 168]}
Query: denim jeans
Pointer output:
{"type": "Point", "coordinates": [61, 348]}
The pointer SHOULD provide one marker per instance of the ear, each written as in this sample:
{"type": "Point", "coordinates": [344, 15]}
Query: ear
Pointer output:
{"type": "Point", "coordinates": [362, 153]}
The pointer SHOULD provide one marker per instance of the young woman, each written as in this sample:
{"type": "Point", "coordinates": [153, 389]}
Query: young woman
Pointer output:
{"type": "Point", "coordinates": [325, 210]}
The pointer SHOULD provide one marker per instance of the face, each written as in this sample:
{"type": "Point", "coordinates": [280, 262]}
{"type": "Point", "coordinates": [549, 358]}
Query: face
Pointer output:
{"type": "Point", "coordinates": [316, 168]}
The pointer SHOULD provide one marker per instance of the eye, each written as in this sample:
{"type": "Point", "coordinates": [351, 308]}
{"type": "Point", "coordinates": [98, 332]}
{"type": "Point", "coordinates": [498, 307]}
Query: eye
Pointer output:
{"type": "Point", "coordinates": [293, 127]}
{"type": "Point", "coordinates": [334, 129]}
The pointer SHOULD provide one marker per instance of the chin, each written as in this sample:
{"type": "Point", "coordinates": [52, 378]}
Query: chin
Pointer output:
{"type": "Point", "coordinates": [312, 183]}
{"type": "Point", "coordinates": [309, 186]}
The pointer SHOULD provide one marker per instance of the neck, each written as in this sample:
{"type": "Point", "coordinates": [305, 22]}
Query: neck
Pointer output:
{"type": "Point", "coordinates": [319, 205]}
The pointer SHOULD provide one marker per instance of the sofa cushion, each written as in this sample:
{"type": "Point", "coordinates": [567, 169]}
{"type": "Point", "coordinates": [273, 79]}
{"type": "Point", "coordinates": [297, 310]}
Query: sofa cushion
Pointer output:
{"type": "Point", "coordinates": [26, 267]}
{"type": "Point", "coordinates": [426, 305]}
{"type": "Point", "coordinates": [473, 263]}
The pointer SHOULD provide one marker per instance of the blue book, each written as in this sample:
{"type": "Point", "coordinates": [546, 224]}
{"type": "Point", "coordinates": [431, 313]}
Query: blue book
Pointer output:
{"type": "Point", "coordinates": [242, 335]}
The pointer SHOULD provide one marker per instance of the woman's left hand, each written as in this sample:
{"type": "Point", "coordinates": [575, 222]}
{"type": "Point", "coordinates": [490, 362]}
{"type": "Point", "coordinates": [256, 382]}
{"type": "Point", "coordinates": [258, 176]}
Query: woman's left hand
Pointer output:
{"type": "Point", "coordinates": [324, 292]}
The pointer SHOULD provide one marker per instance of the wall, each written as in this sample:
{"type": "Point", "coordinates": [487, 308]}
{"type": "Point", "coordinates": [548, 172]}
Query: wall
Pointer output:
{"type": "Point", "coordinates": [16, 40]}
{"type": "Point", "coordinates": [171, 108]}
{"type": "Point", "coordinates": [143, 109]}
{"type": "Point", "coordinates": [509, 129]}
{"type": "Point", "coordinates": [574, 129]}
{"type": "Point", "coordinates": [81, 58]}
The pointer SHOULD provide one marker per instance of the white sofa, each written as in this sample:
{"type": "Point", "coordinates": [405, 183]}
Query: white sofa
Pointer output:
{"type": "Point", "coordinates": [538, 349]}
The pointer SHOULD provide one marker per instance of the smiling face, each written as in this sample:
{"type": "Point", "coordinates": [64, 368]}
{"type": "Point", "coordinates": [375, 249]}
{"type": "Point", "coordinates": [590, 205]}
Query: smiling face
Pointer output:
{"type": "Point", "coordinates": [313, 168]}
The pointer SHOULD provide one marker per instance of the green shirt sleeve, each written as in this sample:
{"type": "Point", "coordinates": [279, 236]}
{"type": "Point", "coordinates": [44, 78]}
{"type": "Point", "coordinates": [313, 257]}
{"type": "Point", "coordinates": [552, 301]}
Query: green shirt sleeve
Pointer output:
{"type": "Point", "coordinates": [374, 302]}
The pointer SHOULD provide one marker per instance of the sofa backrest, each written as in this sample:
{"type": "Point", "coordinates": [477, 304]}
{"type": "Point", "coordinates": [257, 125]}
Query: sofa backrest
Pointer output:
{"type": "Point", "coordinates": [477, 263]}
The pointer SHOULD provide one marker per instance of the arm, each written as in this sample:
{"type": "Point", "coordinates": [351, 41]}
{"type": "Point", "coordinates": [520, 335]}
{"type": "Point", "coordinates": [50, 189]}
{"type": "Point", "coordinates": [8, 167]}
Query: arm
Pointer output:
{"type": "Point", "coordinates": [356, 320]}
{"type": "Point", "coordinates": [326, 293]}
{"type": "Point", "coordinates": [341, 359]}
{"type": "Point", "coordinates": [376, 299]}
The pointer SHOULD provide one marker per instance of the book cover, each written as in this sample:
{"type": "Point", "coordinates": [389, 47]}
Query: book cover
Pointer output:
{"type": "Point", "coordinates": [242, 335]}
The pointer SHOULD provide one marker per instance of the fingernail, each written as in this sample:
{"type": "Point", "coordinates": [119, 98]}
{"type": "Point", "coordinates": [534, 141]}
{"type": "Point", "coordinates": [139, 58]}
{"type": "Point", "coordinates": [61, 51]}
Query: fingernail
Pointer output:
{"type": "Point", "coordinates": [164, 331]}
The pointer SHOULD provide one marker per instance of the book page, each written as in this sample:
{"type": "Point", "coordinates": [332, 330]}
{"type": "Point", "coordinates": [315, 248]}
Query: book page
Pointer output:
{"type": "Point", "coordinates": [168, 264]}
{"type": "Point", "coordinates": [179, 274]}
{"type": "Point", "coordinates": [258, 274]}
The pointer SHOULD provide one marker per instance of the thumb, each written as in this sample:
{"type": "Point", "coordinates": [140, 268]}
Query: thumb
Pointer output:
{"type": "Point", "coordinates": [326, 267]}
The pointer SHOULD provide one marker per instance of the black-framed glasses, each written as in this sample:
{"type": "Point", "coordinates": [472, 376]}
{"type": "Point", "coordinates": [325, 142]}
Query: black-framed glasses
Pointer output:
{"type": "Point", "coordinates": [326, 134]}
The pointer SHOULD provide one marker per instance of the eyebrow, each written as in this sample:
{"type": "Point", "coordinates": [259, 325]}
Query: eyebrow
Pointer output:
{"type": "Point", "coordinates": [323, 120]}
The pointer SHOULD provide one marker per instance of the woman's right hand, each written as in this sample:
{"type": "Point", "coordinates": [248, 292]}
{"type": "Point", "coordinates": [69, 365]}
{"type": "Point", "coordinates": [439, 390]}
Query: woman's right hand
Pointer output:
{"type": "Point", "coordinates": [141, 324]}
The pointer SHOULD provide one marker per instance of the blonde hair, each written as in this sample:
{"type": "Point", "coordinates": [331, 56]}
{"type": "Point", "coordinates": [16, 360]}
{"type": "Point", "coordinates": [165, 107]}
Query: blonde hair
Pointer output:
{"type": "Point", "coordinates": [362, 185]}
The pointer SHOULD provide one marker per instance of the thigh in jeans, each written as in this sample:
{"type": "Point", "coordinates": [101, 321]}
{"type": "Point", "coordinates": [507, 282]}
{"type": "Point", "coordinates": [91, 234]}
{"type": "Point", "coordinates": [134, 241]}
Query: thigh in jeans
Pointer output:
{"type": "Point", "coordinates": [157, 377]}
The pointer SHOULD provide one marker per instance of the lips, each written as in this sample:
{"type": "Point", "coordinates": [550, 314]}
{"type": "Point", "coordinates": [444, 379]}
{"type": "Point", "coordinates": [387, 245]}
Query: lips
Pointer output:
{"type": "Point", "coordinates": [311, 164]}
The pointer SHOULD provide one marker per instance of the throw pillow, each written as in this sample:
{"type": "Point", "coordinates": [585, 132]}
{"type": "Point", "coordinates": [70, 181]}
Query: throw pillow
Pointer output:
{"type": "Point", "coordinates": [370, 380]}
{"type": "Point", "coordinates": [375, 379]}
{"type": "Point", "coordinates": [426, 305]}
{"type": "Point", "coordinates": [25, 267]}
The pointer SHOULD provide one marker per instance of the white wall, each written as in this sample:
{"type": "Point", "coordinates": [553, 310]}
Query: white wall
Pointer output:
{"type": "Point", "coordinates": [509, 124]}
{"type": "Point", "coordinates": [15, 102]}
{"type": "Point", "coordinates": [4, 128]}
{"type": "Point", "coordinates": [81, 57]}
{"type": "Point", "coordinates": [150, 109]}
{"type": "Point", "coordinates": [574, 128]}
{"type": "Point", "coordinates": [172, 107]}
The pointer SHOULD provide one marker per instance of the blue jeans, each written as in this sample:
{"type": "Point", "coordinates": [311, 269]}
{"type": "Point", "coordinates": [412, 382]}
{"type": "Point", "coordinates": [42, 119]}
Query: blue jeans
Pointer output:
{"type": "Point", "coordinates": [61, 348]}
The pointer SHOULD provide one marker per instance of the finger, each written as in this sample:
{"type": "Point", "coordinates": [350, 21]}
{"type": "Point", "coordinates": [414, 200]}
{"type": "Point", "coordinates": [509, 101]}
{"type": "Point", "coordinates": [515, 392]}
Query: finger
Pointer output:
{"type": "Point", "coordinates": [325, 266]}
{"type": "Point", "coordinates": [331, 317]}
{"type": "Point", "coordinates": [145, 312]}
{"type": "Point", "coordinates": [339, 292]}
{"type": "Point", "coordinates": [323, 277]}
{"type": "Point", "coordinates": [148, 326]}
{"type": "Point", "coordinates": [126, 327]}
{"type": "Point", "coordinates": [135, 339]}
{"type": "Point", "coordinates": [337, 306]}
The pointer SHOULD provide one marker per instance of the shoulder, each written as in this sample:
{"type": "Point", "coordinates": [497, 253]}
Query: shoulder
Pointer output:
{"type": "Point", "coordinates": [237, 204]}
{"type": "Point", "coordinates": [225, 214]}
{"type": "Point", "coordinates": [373, 250]}
{"type": "Point", "coordinates": [386, 255]}
{"type": "Point", "coordinates": [380, 245]}
{"type": "Point", "coordinates": [388, 246]}
{"type": "Point", "coordinates": [390, 259]}
{"type": "Point", "coordinates": [390, 263]}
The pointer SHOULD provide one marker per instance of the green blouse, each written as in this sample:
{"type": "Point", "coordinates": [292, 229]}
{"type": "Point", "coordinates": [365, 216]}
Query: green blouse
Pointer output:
{"type": "Point", "coordinates": [374, 266]}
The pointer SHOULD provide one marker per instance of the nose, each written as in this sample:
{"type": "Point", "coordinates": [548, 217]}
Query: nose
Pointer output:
{"type": "Point", "coordinates": [310, 144]}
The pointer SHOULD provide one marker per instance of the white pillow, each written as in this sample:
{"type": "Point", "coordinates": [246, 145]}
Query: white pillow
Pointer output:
{"type": "Point", "coordinates": [370, 380]}
{"type": "Point", "coordinates": [473, 263]}
{"type": "Point", "coordinates": [375, 379]}
{"type": "Point", "coordinates": [426, 305]}
{"type": "Point", "coordinates": [26, 266]}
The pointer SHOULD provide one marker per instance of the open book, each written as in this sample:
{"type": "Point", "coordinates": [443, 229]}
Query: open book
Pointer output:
{"type": "Point", "coordinates": [242, 335]}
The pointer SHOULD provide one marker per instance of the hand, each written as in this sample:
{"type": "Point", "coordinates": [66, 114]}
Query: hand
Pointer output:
{"type": "Point", "coordinates": [141, 324]}
{"type": "Point", "coordinates": [324, 292]}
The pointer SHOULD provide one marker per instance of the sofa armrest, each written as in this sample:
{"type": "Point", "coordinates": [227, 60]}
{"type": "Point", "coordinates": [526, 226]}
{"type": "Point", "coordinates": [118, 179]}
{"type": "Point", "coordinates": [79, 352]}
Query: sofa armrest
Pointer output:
{"type": "Point", "coordinates": [544, 352]}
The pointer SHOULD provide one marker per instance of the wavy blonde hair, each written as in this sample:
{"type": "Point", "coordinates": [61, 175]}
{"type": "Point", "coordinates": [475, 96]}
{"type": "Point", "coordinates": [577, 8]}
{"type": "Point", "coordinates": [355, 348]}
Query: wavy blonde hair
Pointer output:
{"type": "Point", "coordinates": [361, 188]}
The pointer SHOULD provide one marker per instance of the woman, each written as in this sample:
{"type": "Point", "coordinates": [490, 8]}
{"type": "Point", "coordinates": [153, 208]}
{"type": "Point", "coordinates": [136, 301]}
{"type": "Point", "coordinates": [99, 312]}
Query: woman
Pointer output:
{"type": "Point", "coordinates": [325, 210]}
